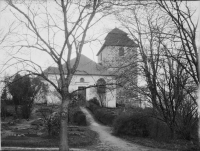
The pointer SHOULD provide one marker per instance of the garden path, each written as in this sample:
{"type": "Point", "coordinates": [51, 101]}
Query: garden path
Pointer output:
{"type": "Point", "coordinates": [108, 142]}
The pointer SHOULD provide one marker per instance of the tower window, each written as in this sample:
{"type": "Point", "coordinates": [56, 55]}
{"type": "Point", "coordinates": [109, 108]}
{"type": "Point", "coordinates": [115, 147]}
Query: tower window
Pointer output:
{"type": "Point", "coordinates": [82, 80]}
{"type": "Point", "coordinates": [121, 51]}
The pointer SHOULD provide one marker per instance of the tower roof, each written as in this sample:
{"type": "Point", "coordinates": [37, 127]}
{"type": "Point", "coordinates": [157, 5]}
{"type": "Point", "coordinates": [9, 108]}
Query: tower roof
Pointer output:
{"type": "Point", "coordinates": [117, 37]}
{"type": "Point", "coordinates": [117, 31]}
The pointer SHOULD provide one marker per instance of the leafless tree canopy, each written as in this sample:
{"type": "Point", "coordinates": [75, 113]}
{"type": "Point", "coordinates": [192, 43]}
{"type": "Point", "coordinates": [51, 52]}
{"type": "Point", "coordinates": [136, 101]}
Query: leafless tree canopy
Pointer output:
{"type": "Point", "coordinates": [57, 28]}
{"type": "Point", "coordinates": [167, 54]}
{"type": "Point", "coordinates": [167, 59]}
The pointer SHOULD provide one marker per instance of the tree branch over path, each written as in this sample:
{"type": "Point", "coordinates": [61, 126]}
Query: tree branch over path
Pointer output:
{"type": "Point", "coordinates": [41, 26]}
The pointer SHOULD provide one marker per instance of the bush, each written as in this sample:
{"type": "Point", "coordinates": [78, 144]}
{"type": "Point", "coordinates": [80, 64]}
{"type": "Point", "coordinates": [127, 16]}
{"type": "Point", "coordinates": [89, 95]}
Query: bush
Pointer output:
{"type": "Point", "coordinates": [158, 129]}
{"type": "Point", "coordinates": [9, 101]}
{"type": "Point", "coordinates": [135, 125]}
{"type": "Point", "coordinates": [44, 112]}
{"type": "Point", "coordinates": [4, 109]}
{"type": "Point", "coordinates": [5, 113]}
{"type": "Point", "coordinates": [188, 131]}
{"type": "Point", "coordinates": [72, 111]}
{"type": "Point", "coordinates": [102, 114]}
{"type": "Point", "coordinates": [131, 121]}
{"type": "Point", "coordinates": [140, 123]}
{"type": "Point", "coordinates": [79, 118]}
{"type": "Point", "coordinates": [25, 111]}
{"type": "Point", "coordinates": [120, 105]}
{"type": "Point", "coordinates": [92, 106]}
{"type": "Point", "coordinates": [38, 122]}
{"type": "Point", "coordinates": [52, 123]}
{"type": "Point", "coordinates": [94, 101]}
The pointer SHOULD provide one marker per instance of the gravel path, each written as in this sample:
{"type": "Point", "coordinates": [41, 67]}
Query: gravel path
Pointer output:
{"type": "Point", "coordinates": [109, 142]}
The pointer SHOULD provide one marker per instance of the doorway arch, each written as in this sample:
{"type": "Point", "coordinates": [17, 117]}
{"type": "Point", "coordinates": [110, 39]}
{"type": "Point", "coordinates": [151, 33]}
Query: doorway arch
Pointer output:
{"type": "Point", "coordinates": [101, 91]}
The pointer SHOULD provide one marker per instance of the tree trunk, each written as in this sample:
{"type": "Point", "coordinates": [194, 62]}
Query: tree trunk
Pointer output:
{"type": "Point", "coordinates": [64, 125]}
{"type": "Point", "coordinates": [198, 138]}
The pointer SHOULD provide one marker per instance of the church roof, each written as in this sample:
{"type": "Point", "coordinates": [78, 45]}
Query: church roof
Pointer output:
{"type": "Point", "coordinates": [86, 67]}
{"type": "Point", "coordinates": [117, 31]}
{"type": "Point", "coordinates": [117, 37]}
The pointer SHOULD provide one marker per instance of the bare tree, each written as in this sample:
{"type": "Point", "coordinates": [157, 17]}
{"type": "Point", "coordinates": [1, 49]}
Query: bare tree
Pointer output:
{"type": "Point", "coordinates": [175, 96]}
{"type": "Point", "coordinates": [41, 29]}
{"type": "Point", "coordinates": [169, 85]}
{"type": "Point", "coordinates": [148, 35]}
{"type": "Point", "coordinates": [181, 15]}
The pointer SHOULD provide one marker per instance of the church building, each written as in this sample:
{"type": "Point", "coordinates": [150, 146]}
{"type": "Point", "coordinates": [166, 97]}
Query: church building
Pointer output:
{"type": "Point", "coordinates": [116, 45]}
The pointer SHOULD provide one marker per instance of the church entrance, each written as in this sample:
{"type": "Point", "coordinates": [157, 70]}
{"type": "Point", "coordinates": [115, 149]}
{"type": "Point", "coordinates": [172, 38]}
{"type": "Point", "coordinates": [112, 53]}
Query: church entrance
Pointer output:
{"type": "Point", "coordinates": [101, 91]}
{"type": "Point", "coordinates": [81, 93]}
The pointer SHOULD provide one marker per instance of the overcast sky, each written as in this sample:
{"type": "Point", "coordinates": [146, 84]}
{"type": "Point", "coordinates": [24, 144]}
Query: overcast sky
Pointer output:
{"type": "Point", "coordinates": [90, 50]}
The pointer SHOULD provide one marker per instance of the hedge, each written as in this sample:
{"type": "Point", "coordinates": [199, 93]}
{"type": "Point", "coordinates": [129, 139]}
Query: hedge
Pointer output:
{"type": "Point", "coordinates": [135, 125]}
{"type": "Point", "coordinates": [79, 118]}
{"type": "Point", "coordinates": [102, 114]}
{"type": "Point", "coordinates": [140, 124]}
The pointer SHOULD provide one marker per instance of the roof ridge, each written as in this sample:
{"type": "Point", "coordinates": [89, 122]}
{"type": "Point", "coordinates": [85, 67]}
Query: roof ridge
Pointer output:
{"type": "Point", "coordinates": [117, 31]}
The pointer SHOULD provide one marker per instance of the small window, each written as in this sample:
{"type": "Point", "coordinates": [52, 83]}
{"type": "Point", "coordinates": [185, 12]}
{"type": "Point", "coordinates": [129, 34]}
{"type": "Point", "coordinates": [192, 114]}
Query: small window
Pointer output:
{"type": "Point", "coordinates": [121, 51]}
{"type": "Point", "coordinates": [82, 80]}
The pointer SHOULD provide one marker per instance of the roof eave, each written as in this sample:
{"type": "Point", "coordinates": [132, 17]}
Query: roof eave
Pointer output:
{"type": "Point", "coordinates": [114, 45]}
{"type": "Point", "coordinates": [89, 74]}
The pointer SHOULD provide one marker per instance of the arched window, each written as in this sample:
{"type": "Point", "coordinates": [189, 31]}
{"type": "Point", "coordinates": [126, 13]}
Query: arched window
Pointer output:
{"type": "Point", "coordinates": [82, 80]}
{"type": "Point", "coordinates": [121, 51]}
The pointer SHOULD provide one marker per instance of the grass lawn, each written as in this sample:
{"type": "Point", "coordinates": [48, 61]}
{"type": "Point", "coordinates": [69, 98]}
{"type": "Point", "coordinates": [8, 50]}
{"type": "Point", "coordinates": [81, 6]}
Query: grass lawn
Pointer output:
{"type": "Point", "coordinates": [78, 137]}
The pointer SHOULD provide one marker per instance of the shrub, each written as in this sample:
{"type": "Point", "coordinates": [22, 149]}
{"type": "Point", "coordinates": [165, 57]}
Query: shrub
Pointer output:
{"type": "Point", "coordinates": [25, 111]}
{"type": "Point", "coordinates": [158, 129]}
{"type": "Point", "coordinates": [44, 112]}
{"type": "Point", "coordinates": [79, 118]}
{"type": "Point", "coordinates": [140, 123]}
{"type": "Point", "coordinates": [52, 123]}
{"type": "Point", "coordinates": [102, 114]}
{"type": "Point", "coordinates": [51, 120]}
{"type": "Point", "coordinates": [135, 125]}
{"type": "Point", "coordinates": [72, 111]}
{"type": "Point", "coordinates": [188, 131]}
{"type": "Point", "coordinates": [120, 105]}
{"type": "Point", "coordinates": [38, 122]}
{"type": "Point", "coordinates": [92, 106]}
{"type": "Point", "coordinates": [5, 113]}
{"type": "Point", "coordinates": [95, 101]}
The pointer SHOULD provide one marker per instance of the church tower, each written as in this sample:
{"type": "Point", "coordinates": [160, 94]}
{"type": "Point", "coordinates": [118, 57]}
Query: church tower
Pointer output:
{"type": "Point", "coordinates": [116, 45]}
{"type": "Point", "coordinates": [117, 51]}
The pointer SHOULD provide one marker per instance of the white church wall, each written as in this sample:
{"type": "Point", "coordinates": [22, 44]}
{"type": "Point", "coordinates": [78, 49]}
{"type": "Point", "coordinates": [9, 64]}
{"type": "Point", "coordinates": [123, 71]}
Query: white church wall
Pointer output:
{"type": "Point", "coordinates": [89, 80]}
{"type": "Point", "coordinates": [111, 96]}
{"type": "Point", "coordinates": [91, 92]}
